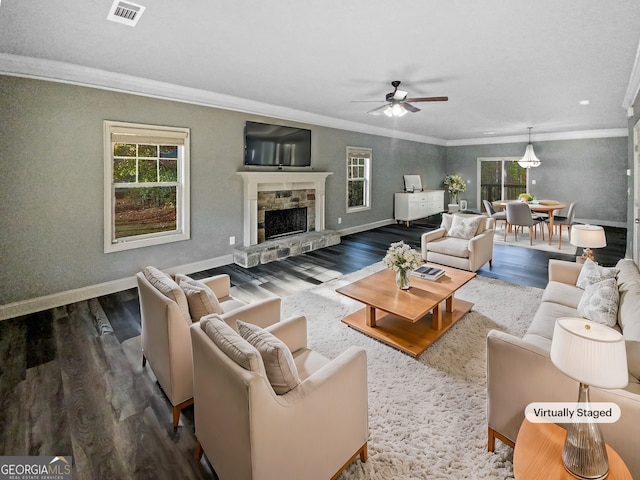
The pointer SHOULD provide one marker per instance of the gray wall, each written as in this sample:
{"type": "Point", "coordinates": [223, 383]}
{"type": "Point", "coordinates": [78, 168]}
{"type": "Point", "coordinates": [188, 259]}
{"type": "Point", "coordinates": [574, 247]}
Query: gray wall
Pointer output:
{"type": "Point", "coordinates": [591, 172]}
{"type": "Point", "coordinates": [51, 183]}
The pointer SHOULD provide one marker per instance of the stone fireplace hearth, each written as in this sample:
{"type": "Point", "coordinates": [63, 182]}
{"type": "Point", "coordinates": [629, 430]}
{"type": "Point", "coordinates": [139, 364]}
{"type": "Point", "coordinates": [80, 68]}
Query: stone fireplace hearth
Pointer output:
{"type": "Point", "coordinates": [267, 191]}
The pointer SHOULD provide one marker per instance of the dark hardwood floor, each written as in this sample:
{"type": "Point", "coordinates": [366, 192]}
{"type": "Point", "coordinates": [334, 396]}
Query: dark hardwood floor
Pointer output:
{"type": "Point", "coordinates": [71, 380]}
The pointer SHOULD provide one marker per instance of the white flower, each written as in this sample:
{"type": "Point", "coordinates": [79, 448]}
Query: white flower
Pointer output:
{"type": "Point", "coordinates": [401, 257]}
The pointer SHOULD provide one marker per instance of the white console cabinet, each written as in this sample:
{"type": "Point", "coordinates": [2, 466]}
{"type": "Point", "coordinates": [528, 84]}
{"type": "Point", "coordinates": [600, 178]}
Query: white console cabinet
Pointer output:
{"type": "Point", "coordinates": [411, 206]}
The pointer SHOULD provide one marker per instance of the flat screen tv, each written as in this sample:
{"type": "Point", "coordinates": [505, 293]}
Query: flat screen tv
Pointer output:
{"type": "Point", "coordinates": [276, 146]}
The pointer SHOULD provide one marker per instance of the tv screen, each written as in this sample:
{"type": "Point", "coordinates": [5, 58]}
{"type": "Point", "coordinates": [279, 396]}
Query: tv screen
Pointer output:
{"type": "Point", "coordinates": [276, 145]}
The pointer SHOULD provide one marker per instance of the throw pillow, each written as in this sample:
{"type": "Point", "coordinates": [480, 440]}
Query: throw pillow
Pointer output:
{"type": "Point", "coordinates": [232, 345]}
{"type": "Point", "coordinates": [201, 299]}
{"type": "Point", "coordinates": [464, 227]}
{"type": "Point", "coordinates": [447, 218]}
{"type": "Point", "coordinates": [278, 361]}
{"type": "Point", "coordinates": [599, 302]}
{"type": "Point", "coordinates": [592, 273]}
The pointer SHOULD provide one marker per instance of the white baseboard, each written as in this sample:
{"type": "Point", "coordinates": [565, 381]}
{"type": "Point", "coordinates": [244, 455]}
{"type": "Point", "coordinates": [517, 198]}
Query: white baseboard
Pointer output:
{"type": "Point", "coordinates": [38, 304]}
{"type": "Point", "coordinates": [368, 226]}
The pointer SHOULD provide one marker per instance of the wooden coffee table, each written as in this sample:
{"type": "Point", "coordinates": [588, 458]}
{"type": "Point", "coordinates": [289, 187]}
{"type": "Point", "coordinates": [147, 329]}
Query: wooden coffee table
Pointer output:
{"type": "Point", "coordinates": [409, 320]}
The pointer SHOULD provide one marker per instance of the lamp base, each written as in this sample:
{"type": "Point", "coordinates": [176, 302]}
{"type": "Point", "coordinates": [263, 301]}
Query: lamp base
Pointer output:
{"type": "Point", "coordinates": [587, 253]}
{"type": "Point", "coordinates": [585, 454]}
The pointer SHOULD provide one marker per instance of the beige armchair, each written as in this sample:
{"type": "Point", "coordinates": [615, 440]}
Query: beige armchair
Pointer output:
{"type": "Point", "coordinates": [166, 318]}
{"type": "Point", "coordinates": [460, 244]}
{"type": "Point", "coordinates": [247, 431]}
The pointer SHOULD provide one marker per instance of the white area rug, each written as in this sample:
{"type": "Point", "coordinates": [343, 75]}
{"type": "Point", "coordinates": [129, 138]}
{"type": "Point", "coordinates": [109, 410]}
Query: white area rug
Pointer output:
{"type": "Point", "coordinates": [538, 243]}
{"type": "Point", "coordinates": [427, 416]}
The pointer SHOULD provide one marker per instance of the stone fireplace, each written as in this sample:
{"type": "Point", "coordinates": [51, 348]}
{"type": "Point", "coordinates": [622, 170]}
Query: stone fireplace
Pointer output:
{"type": "Point", "coordinates": [299, 195]}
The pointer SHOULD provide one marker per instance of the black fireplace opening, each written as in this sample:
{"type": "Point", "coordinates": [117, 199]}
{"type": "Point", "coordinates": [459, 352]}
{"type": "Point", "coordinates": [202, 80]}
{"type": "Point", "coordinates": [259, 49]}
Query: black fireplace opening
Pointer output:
{"type": "Point", "coordinates": [279, 223]}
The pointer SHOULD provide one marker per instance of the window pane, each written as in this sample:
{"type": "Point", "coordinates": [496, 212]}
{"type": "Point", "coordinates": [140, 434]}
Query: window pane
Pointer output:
{"type": "Point", "coordinates": [124, 170]}
{"type": "Point", "coordinates": [168, 170]}
{"type": "Point", "coordinates": [140, 211]}
{"type": "Point", "coordinates": [124, 150]}
{"type": "Point", "coordinates": [515, 180]}
{"type": "Point", "coordinates": [147, 171]}
{"type": "Point", "coordinates": [147, 150]}
{"type": "Point", "coordinates": [490, 181]}
{"type": "Point", "coordinates": [168, 151]}
{"type": "Point", "coordinates": [356, 193]}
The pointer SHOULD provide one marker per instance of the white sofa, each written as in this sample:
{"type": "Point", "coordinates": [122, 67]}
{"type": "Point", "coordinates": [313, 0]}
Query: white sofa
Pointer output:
{"type": "Point", "coordinates": [519, 370]}
{"type": "Point", "coordinates": [455, 247]}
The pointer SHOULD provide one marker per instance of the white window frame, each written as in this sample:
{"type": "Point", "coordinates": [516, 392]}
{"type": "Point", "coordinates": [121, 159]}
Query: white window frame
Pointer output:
{"type": "Point", "coordinates": [366, 154]}
{"type": "Point", "coordinates": [138, 133]}
{"type": "Point", "coordinates": [496, 159]}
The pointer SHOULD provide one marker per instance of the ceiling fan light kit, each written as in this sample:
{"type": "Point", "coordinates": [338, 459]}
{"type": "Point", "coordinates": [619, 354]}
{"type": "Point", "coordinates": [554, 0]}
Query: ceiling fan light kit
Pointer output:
{"type": "Point", "coordinates": [398, 104]}
{"type": "Point", "coordinates": [529, 160]}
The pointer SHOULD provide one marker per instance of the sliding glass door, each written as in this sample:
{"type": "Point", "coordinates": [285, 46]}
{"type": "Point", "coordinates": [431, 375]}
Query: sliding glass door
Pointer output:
{"type": "Point", "coordinates": [500, 179]}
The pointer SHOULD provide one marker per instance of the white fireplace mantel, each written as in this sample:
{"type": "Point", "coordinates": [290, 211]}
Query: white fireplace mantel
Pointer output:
{"type": "Point", "coordinates": [255, 182]}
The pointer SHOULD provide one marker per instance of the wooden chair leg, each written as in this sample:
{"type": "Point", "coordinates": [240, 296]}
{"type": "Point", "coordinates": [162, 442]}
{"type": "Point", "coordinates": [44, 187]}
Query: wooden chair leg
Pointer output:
{"type": "Point", "coordinates": [197, 454]}
{"type": "Point", "coordinates": [491, 440]}
{"type": "Point", "coordinates": [560, 241]}
{"type": "Point", "coordinates": [177, 409]}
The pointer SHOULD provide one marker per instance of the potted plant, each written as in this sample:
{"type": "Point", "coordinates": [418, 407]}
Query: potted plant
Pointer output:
{"type": "Point", "coordinates": [455, 185]}
{"type": "Point", "coordinates": [525, 197]}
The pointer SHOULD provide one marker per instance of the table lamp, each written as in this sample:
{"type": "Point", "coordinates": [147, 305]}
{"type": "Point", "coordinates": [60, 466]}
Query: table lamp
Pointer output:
{"type": "Point", "coordinates": [592, 354]}
{"type": "Point", "coordinates": [588, 237]}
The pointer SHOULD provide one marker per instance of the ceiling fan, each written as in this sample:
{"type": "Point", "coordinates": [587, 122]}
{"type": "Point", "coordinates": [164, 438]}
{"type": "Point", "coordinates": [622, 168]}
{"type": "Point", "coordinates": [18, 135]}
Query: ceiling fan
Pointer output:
{"type": "Point", "coordinates": [398, 104]}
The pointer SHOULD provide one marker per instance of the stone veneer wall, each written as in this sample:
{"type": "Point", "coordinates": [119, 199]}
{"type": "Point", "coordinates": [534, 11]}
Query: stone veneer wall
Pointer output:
{"type": "Point", "coordinates": [284, 199]}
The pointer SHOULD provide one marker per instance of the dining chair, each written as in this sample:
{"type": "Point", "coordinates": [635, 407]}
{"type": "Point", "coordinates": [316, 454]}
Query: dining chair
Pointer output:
{"type": "Point", "coordinates": [559, 221]}
{"type": "Point", "coordinates": [491, 211]}
{"type": "Point", "coordinates": [519, 215]}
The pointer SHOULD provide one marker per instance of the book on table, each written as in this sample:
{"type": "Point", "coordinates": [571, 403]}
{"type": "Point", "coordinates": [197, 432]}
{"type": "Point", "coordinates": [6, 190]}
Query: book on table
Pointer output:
{"type": "Point", "coordinates": [428, 273]}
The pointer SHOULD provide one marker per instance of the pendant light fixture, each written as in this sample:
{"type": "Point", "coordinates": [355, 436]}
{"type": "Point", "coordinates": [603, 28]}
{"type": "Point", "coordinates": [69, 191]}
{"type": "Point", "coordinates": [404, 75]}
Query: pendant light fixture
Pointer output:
{"type": "Point", "coordinates": [529, 160]}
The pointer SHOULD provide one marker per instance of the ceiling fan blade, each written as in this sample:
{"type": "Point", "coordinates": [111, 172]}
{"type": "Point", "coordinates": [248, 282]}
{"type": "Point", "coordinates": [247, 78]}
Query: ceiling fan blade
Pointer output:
{"type": "Point", "coordinates": [411, 108]}
{"type": "Point", "coordinates": [377, 111]}
{"type": "Point", "coordinates": [427, 99]}
{"type": "Point", "coordinates": [400, 95]}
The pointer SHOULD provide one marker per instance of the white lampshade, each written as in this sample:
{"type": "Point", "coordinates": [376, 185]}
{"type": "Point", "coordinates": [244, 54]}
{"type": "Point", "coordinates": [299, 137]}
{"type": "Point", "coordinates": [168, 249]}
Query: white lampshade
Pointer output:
{"type": "Point", "coordinates": [529, 160]}
{"type": "Point", "coordinates": [588, 236]}
{"type": "Point", "coordinates": [590, 353]}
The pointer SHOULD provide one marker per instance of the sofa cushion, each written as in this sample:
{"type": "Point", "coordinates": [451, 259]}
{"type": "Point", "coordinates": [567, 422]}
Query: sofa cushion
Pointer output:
{"type": "Point", "coordinates": [169, 288]}
{"type": "Point", "coordinates": [447, 220]}
{"type": "Point", "coordinates": [201, 299]}
{"type": "Point", "coordinates": [544, 321]}
{"type": "Point", "coordinates": [593, 273]}
{"type": "Point", "coordinates": [278, 361]}
{"type": "Point", "coordinates": [454, 247]}
{"type": "Point", "coordinates": [562, 293]}
{"type": "Point", "coordinates": [465, 227]}
{"type": "Point", "coordinates": [600, 302]}
{"type": "Point", "coordinates": [232, 344]}
{"type": "Point", "coordinates": [628, 275]}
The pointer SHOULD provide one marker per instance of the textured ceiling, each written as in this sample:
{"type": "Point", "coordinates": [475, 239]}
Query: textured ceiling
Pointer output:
{"type": "Point", "coordinates": [505, 65]}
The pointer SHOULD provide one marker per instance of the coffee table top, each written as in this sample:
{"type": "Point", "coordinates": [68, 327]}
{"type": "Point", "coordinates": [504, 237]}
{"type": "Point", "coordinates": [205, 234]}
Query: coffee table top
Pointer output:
{"type": "Point", "coordinates": [380, 291]}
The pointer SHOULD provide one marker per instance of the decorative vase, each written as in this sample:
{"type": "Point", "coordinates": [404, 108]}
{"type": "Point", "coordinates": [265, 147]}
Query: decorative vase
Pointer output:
{"type": "Point", "coordinates": [453, 207]}
{"type": "Point", "coordinates": [403, 279]}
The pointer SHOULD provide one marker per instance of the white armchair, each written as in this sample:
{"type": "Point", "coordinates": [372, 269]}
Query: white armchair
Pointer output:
{"type": "Point", "coordinates": [247, 431]}
{"type": "Point", "coordinates": [165, 322]}
{"type": "Point", "coordinates": [456, 246]}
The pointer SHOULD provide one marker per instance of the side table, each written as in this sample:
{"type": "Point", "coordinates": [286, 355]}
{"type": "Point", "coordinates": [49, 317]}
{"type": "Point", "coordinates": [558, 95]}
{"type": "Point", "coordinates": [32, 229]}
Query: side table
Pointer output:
{"type": "Point", "coordinates": [538, 454]}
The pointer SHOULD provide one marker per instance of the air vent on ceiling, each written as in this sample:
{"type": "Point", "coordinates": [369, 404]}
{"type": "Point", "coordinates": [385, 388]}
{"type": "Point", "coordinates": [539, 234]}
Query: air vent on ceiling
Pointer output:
{"type": "Point", "coordinates": [125, 12]}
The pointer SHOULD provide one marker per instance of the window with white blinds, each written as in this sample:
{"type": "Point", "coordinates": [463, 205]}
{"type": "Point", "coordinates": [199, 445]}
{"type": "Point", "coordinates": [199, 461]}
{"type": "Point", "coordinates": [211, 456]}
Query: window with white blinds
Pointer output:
{"type": "Point", "coordinates": [358, 179]}
{"type": "Point", "coordinates": [146, 185]}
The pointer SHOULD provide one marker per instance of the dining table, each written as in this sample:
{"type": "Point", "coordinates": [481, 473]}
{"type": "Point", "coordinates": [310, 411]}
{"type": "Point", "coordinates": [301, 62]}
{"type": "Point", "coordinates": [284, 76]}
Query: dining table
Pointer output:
{"type": "Point", "coordinates": [547, 206]}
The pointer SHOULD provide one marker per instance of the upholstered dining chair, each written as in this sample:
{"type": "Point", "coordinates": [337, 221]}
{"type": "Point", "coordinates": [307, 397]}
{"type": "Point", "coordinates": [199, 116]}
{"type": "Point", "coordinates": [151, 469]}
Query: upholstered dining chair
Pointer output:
{"type": "Point", "coordinates": [519, 215]}
{"type": "Point", "coordinates": [491, 211]}
{"type": "Point", "coordinates": [166, 315]}
{"type": "Point", "coordinates": [560, 221]}
{"type": "Point", "coordinates": [268, 407]}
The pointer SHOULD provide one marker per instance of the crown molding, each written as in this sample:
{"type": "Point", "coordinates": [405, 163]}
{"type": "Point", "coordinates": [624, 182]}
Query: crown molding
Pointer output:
{"type": "Point", "coordinates": [634, 82]}
{"type": "Point", "coordinates": [54, 71]}
{"type": "Point", "coordinates": [542, 137]}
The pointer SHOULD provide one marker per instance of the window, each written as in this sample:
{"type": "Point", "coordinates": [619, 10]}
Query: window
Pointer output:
{"type": "Point", "coordinates": [358, 179]}
{"type": "Point", "coordinates": [501, 179]}
{"type": "Point", "coordinates": [146, 185]}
